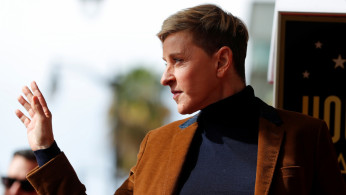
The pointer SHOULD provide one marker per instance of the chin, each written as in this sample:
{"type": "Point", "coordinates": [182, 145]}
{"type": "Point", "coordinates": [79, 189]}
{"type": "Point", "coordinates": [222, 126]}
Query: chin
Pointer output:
{"type": "Point", "coordinates": [185, 110]}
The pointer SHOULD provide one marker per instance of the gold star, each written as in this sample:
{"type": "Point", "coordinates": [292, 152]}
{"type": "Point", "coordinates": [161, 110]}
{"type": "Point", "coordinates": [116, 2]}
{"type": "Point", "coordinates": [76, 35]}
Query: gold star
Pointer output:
{"type": "Point", "coordinates": [318, 45]}
{"type": "Point", "coordinates": [306, 74]}
{"type": "Point", "coordinates": [339, 62]}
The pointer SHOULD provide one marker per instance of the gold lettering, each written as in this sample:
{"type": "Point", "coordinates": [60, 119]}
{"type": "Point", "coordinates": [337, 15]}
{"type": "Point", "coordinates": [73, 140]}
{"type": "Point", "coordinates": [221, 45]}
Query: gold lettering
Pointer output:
{"type": "Point", "coordinates": [305, 107]}
{"type": "Point", "coordinates": [316, 107]}
{"type": "Point", "coordinates": [337, 115]}
{"type": "Point", "coordinates": [342, 163]}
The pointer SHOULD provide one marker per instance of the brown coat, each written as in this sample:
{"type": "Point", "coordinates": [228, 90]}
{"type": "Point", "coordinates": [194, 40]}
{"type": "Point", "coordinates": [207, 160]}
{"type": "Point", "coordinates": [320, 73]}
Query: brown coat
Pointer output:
{"type": "Point", "coordinates": [295, 156]}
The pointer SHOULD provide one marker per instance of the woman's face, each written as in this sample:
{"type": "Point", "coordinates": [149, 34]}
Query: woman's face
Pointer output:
{"type": "Point", "coordinates": [190, 73]}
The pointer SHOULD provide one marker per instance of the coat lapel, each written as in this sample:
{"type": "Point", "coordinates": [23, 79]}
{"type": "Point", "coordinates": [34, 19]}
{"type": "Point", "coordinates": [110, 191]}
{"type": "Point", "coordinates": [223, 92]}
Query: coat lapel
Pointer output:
{"type": "Point", "coordinates": [179, 149]}
{"type": "Point", "coordinates": [269, 141]}
{"type": "Point", "coordinates": [270, 137]}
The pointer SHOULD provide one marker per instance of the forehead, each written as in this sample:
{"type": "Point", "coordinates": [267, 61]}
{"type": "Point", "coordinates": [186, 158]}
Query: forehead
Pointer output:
{"type": "Point", "coordinates": [20, 166]}
{"type": "Point", "coordinates": [178, 42]}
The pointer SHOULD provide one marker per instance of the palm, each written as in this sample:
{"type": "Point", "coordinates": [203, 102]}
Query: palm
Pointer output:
{"type": "Point", "coordinates": [32, 130]}
{"type": "Point", "coordinates": [32, 125]}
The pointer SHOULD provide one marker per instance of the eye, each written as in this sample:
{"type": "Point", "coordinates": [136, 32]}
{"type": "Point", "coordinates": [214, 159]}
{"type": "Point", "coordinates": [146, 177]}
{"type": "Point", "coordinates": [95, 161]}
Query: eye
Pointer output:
{"type": "Point", "coordinates": [176, 60]}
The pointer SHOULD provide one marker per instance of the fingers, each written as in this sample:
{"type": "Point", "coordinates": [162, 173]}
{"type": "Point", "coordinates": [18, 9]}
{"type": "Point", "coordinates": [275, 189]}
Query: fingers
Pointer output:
{"type": "Point", "coordinates": [35, 104]}
{"type": "Point", "coordinates": [41, 99]}
{"type": "Point", "coordinates": [25, 120]}
{"type": "Point", "coordinates": [35, 107]}
{"type": "Point", "coordinates": [28, 94]}
{"type": "Point", "coordinates": [26, 105]}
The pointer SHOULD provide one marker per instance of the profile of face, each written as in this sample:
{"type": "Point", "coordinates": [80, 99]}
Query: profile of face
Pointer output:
{"type": "Point", "coordinates": [15, 182]}
{"type": "Point", "coordinates": [190, 73]}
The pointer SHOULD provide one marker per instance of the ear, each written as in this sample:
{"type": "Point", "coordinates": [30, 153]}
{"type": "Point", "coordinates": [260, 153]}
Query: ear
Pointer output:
{"type": "Point", "coordinates": [225, 60]}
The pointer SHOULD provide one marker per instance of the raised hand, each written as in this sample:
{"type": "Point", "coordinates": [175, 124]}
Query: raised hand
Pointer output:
{"type": "Point", "coordinates": [39, 124]}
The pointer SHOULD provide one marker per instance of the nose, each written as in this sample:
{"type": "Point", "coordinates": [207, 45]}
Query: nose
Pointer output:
{"type": "Point", "coordinates": [167, 76]}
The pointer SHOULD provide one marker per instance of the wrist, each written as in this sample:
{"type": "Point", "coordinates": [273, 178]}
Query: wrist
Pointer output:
{"type": "Point", "coordinates": [45, 155]}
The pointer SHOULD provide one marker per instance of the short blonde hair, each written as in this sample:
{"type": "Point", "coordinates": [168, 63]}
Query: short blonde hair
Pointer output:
{"type": "Point", "coordinates": [212, 28]}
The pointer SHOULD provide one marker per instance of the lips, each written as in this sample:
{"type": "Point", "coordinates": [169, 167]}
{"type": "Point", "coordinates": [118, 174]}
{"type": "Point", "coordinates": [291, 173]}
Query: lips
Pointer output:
{"type": "Point", "coordinates": [176, 94]}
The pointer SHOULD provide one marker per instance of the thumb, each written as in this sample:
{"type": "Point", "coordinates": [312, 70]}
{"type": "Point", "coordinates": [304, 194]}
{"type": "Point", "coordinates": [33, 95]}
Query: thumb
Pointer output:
{"type": "Point", "coordinates": [36, 105]}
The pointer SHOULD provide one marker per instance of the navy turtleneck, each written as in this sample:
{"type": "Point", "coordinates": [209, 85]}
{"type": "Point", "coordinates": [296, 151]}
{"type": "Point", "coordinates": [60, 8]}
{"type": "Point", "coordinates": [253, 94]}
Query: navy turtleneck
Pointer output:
{"type": "Point", "coordinates": [223, 155]}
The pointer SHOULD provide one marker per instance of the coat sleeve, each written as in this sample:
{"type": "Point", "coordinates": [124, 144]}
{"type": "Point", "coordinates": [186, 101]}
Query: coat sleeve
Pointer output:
{"type": "Point", "coordinates": [56, 177]}
{"type": "Point", "coordinates": [329, 178]}
{"type": "Point", "coordinates": [127, 187]}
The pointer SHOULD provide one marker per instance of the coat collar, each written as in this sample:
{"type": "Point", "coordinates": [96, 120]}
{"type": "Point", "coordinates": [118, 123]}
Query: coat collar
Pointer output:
{"type": "Point", "coordinates": [189, 122]}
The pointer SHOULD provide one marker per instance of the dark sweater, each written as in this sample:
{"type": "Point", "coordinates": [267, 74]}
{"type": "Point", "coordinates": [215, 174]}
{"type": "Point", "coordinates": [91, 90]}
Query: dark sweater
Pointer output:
{"type": "Point", "coordinates": [223, 155]}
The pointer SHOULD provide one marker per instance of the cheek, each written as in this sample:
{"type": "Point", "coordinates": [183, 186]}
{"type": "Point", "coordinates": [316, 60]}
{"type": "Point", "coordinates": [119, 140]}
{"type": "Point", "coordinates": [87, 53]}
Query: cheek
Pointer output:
{"type": "Point", "coordinates": [185, 78]}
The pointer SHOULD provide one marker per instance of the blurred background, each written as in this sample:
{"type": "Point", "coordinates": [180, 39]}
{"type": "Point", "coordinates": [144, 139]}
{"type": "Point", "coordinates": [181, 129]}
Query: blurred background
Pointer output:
{"type": "Point", "coordinates": [98, 63]}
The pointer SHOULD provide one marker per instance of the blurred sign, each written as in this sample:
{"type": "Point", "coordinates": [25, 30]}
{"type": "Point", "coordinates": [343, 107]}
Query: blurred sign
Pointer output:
{"type": "Point", "coordinates": [311, 75]}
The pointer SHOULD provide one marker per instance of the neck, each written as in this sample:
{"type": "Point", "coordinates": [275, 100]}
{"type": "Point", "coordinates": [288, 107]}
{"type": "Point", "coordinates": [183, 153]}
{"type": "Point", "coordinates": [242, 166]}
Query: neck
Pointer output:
{"type": "Point", "coordinates": [231, 86]}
